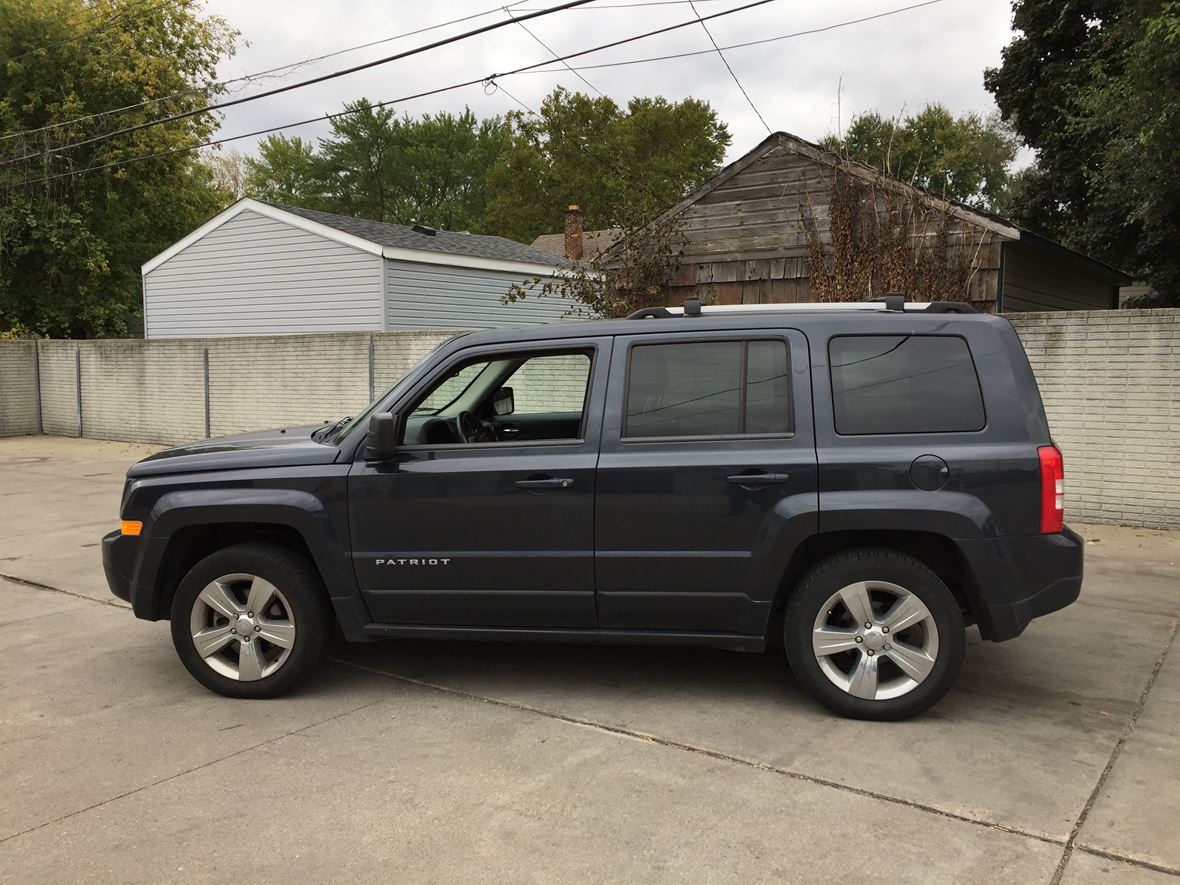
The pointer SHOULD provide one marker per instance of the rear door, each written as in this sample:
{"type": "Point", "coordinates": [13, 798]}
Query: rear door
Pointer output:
{"type": "Point", "coordinates": [706, 481]}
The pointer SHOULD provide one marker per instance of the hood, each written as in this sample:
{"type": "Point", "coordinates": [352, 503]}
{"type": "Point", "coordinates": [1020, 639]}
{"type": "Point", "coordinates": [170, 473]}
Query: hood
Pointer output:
{"type": "Point", "coordinates": [281, 447]}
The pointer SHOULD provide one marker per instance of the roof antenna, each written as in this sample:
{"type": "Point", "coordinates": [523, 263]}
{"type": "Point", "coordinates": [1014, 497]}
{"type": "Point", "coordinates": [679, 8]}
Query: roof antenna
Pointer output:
{"type": "Point", "coordinates": [692, 306]}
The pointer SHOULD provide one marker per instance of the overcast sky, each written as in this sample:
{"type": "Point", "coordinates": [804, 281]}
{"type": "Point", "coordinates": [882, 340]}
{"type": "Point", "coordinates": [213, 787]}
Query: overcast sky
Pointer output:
{"type": "Point", "coordinates": [935, 53]}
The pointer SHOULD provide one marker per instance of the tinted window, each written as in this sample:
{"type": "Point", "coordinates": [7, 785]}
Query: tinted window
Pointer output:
{"type": "Point", "coordinates": [699, 389]}
{"type": "Point", "coordinates": [904, 384]}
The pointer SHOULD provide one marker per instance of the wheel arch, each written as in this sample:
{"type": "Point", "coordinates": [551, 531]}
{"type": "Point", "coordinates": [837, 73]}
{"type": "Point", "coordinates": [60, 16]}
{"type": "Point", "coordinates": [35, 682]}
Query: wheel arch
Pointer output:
{"type": "Point", "coordinates": [938, 552]}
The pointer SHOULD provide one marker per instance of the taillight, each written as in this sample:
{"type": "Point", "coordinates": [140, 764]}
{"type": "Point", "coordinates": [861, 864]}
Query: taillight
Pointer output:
{"type": "Point", "coordinates": [1052, 490]}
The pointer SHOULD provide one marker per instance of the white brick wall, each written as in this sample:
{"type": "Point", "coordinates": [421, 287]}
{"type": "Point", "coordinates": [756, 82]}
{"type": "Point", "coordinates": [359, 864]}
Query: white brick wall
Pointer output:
{"type": "Point", "coordinates": [59, 386]}
{"type": "Point", "coordinates": [18, 388]}
{"type": "Point", "coordinates": [1110, 381]}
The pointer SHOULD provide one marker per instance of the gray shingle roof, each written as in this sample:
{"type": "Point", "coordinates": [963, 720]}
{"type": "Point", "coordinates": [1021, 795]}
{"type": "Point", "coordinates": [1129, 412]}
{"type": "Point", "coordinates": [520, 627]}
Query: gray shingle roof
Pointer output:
{"type": "Point", "coordinates": [447, 242]}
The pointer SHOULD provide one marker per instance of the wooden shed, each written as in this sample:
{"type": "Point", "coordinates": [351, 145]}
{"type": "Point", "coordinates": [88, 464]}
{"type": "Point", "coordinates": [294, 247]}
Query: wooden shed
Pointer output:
{"type": "Point", "coordinates": [749, 232]}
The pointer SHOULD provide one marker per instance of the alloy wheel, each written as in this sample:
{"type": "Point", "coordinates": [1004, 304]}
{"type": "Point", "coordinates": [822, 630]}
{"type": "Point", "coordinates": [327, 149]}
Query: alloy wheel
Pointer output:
{"type": "Point", "coordinates": [242, 627]}
{"type": "Point", "coordinates": [875, 640]}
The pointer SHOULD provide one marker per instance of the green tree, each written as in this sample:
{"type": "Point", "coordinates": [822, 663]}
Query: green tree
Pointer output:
{"type": "Point", "coordinates": [617, 164]}
{"type": "Point", "coordinates": [287, 170]}
{"type": "Point", "coordinates": [1094, 87]}
{"type": "Point", "coordinates": [406, 170]}
{"type": "Point", "coordinates": [965, 158]}
{"type": "Point", "coordinates": [71, 246]}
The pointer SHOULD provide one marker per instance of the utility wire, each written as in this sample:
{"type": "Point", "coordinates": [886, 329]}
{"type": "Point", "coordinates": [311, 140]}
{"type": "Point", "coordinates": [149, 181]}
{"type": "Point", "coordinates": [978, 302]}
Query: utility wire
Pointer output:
{"type": "Point", "coordinates": [548, 49]}
{"type": "Point", "coordinates": [764, 40]}
{"type": "Point", "coordinates": [729, 68]}
{"type": "Point", "coordinates": [259, 74]}
{"type": "Point", "coordinates": [491, 79]}
{"type": "Point", "coordinates": [301, 84]}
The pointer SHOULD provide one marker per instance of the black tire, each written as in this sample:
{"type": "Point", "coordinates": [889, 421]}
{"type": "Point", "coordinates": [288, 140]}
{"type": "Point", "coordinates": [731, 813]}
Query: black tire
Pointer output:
{"type": "Point", "coordinates": [839, 571]}
{"type": "Point", "coordinates": [302, 590]}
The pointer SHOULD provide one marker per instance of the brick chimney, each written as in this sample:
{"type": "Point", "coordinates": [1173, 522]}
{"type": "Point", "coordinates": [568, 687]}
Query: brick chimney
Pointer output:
{"type": "Point", "coordinates": [573, 232]}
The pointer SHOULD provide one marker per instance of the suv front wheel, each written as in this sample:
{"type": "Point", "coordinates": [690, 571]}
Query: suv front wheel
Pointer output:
{"type": "Point", "coordinates": [250, 621]}
{"type": "Point", "coordinates": [874, 634]}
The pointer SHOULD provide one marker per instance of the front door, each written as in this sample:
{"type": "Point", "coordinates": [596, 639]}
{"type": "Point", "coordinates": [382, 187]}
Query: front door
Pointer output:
{"type": "Point", "coordinates": [707, 479]}
{"type": "Point", "coordinates": [486, 515]}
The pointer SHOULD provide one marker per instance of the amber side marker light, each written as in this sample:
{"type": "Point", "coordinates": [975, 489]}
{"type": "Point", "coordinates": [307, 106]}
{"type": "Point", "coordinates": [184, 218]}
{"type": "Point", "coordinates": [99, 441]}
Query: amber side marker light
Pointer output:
{"type": "Point", "coordinates": [130, 527]}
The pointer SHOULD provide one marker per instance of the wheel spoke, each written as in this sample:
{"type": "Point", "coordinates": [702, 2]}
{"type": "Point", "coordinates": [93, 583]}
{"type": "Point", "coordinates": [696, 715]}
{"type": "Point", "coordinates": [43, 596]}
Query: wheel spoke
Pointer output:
{"type": "Point", "coordinates": [906, 612]}
{"type": "Point", "coordinates": [914, 662]}
{"type": "Point", "coordinates": [260, 596]}
{"type": "Point", "coordinates": [219, 598]}
{"type": "Point", "coordinates": [863, 678]}
{"type": "Point", "coordinates": [250, 662]}
{"type": "Point", "coordinates": [280, 633]}
{"type": "Point", "coordinates": [212, 640]}
{"type": "Point", "coordinates": [856, 599]}
{"type": "Point", "coordinates": [832, 640]}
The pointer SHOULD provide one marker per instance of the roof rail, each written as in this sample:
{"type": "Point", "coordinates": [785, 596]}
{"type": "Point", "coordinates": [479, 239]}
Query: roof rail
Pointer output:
{"type": "Point", "coordinates": [892, 302]}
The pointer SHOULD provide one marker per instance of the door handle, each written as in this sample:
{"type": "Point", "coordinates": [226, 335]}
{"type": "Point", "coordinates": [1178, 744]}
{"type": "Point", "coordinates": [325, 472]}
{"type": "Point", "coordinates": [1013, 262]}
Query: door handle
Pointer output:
{"type": "Point", "coordinates": [758, 479]}
{"type": "Point", "coordinates": [547, 483]}
{"type": "Point", "coordinates": [509, 430]}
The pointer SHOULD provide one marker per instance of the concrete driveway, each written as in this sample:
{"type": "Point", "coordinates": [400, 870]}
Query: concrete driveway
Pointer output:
{"type": "Point", "coordinates": [1056, 758]}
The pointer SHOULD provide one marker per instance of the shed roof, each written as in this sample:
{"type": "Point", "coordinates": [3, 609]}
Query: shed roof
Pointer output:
{"type": "Point", "coordinates": [404, 236]}
{"type": "Point", "coordinates": [394, 241]}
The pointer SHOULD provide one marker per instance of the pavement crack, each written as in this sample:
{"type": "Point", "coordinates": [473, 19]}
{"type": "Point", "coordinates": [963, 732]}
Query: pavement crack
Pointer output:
{"type": "Point", "coordinates": [37, 585]}
{"type": "Point", "coordinates": [1134, 861]}
{"type": "Point", "coordinates": [632, 734]}
{"type": "Point", "coordinates": [1128, 730]}
{"type": "Point", "coordinates": [188, 771]}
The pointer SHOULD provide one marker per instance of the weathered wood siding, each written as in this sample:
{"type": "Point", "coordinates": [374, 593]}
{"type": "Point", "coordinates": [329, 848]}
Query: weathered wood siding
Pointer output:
{"type": "Point", "coordinates": [746, 242]}
{"type": "Point", "coordinates": [254, 275]}
{"type": "Point", "coordinates": [1035, 279]}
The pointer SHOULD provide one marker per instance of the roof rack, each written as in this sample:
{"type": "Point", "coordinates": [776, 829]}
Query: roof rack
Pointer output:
{"type": "Point", "coordinates": [893, 302]}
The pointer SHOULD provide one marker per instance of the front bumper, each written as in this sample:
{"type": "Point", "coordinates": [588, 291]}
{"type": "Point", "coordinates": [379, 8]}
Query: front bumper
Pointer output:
{"type": "Point", "coordinates": [118, 560]}
{"type": "Point", "coordinates": [1013, 580]}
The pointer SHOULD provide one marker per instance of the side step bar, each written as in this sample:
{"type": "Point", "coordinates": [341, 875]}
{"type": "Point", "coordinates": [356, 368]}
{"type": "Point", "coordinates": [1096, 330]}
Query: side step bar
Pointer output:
{"type": "Point", "coordinates": [731, 641]}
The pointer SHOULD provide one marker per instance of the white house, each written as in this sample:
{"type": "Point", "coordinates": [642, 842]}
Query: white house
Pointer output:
{"type": "Point", "coordinates": [263, 269]}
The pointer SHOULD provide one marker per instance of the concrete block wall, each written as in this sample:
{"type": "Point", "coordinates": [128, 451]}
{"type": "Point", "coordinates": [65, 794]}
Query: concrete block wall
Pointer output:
{"type": "Point", "coordinates": [57, 363]}
{"type": "Point", "coordinates": [142, 392]}
{"type": "Point", "coordinates": [295, 379]}
{"type": "Point", "coordinates": [1110, 381]}
{"type": "Point", "coordinates": [19, 408]}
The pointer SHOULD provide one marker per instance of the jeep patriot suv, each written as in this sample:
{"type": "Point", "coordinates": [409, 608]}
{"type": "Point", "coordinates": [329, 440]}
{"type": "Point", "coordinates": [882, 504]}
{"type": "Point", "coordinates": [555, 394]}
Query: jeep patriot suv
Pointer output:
{"type": "Point", "coordinates": [863, 480]}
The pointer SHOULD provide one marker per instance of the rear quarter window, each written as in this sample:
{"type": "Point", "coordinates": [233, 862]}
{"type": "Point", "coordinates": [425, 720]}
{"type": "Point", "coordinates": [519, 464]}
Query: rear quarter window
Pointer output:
{"type": "Point", "coordinates": [904, 384]}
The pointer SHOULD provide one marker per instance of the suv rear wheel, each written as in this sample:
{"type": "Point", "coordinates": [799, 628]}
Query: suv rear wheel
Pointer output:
{"type": "Point", "coordinates": [250, 621]}
{"type": "Point", "coordinates": [874, 634]}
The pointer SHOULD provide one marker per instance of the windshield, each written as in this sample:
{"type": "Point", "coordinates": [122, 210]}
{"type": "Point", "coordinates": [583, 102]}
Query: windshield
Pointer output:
{"type": "Point", "coordinates": [362, 419]}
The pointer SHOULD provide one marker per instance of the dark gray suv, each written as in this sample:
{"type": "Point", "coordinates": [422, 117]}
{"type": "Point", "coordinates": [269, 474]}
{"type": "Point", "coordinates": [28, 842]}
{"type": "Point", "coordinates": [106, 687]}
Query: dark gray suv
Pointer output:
{"type": "Point", "coordinates": [864, 480]}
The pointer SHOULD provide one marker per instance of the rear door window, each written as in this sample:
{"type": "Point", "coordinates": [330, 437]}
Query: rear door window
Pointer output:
{"type": "Point", "coordinates": [708, 389]}
{"type": "Point", "coordinates": [904, 384]}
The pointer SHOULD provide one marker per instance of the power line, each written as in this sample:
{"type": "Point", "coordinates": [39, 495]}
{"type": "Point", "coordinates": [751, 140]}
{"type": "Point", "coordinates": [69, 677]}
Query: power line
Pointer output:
{"type": "Point", "coordinates": [764, 40]}
{"type": "Point", "coordinates": [301, 84]}
{"type": "Point", "coordinates": [372, 106]}
{"type": "Point", "coordinates": [259, 74]}
{"type": "Point", "coordinates": [729, 68]}
{"type": "Point", "coordinates": [548, 49]}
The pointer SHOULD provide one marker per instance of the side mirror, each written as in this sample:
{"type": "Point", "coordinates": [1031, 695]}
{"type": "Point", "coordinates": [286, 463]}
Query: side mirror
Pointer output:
{"type": "Point", "coordinates": [382, 441]}
{"type": "Point", "coordinates": [503, 402]}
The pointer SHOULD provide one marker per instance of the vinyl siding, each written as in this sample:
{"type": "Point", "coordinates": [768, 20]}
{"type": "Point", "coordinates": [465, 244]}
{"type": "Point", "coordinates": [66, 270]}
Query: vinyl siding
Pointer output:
{"type": "Point", "coordinates": [257, 276]}
{"type": "Point", "coordinates": [432, 296]}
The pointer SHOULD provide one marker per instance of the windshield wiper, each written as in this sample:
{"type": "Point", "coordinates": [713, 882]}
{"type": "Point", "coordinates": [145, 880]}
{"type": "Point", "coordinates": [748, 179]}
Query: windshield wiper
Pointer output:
{"type": "Point", "coordinates": [328, 429]}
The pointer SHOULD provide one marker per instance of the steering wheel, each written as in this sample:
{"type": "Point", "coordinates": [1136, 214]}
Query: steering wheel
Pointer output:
{"type": "Point", "coordinates": [472, 430]}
